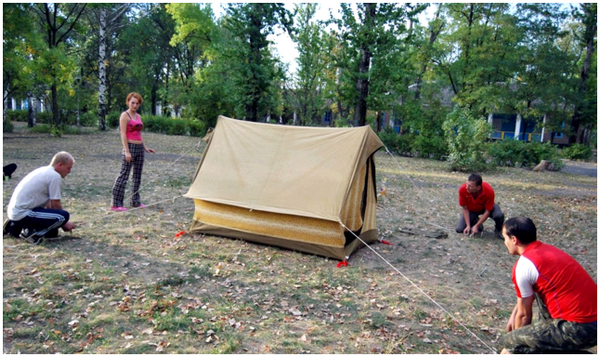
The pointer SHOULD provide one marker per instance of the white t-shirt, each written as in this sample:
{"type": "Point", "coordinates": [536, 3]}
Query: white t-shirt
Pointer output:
{"type": "Point", "coordinates": [35, 190]}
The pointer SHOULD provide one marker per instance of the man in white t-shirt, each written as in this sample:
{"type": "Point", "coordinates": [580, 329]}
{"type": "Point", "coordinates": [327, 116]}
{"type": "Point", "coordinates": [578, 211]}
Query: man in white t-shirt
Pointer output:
{"type": "Point", "coordinates": [35, 211]}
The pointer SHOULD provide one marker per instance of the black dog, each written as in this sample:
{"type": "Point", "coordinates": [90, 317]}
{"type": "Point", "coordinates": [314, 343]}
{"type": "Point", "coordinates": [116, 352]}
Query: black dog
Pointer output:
{"type": "Point", "coordinates": [9, 169]}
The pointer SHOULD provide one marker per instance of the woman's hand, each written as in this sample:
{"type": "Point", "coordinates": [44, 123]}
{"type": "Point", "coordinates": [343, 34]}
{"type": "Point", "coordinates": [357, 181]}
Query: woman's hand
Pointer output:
{"type": "Point", "coordinates": [128, 157]}
{"type": "Point", "coordinates": [149, 150]}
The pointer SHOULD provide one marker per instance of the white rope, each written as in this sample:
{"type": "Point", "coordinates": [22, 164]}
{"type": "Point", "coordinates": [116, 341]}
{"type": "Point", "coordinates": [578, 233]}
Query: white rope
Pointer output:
{"type": "Point", "coordinates": [168, 166]}
{"type": "Point", "coordinates": [108, 214]}
{"type": "Point", "coordinates": [133, 209]}
{"type": "Point", "coordinates": [418, 288]}
{"type": "Point", "coordinates": [418, 189]}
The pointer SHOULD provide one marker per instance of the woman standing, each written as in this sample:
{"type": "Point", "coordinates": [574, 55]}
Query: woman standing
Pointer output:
{"type": "Point", "coordinates": [130, 126]}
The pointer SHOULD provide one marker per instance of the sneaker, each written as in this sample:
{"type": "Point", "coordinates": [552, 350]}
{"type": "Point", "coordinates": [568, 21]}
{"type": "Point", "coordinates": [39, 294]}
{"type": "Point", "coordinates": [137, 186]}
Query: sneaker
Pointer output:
{"type": "Point", "coordinates": [52, 235]}
{"type": "Point", "coordinates": [11, 229]}
{"type": "Point", "coordinates": [6, 228]}
{"type": "Point", "coordinates": [30, 237]}
{"type": "Point", "coordinates": [498, 234]}
{"type": "Point", "coordinates": [119, 209]}
{"type": "Point", "coordinates": [141, 205]}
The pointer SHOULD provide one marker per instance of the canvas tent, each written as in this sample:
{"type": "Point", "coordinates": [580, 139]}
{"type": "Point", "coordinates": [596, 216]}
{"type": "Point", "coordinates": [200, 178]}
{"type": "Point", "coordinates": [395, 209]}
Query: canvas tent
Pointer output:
{"type": "Point", "coordinates": [288, 186]}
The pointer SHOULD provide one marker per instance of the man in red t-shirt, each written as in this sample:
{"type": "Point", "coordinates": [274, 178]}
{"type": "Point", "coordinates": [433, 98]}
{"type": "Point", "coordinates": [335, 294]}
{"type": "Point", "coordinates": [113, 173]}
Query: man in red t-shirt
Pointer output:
{"type": "Point", "coordinates": [477, 201]}
{"type": "Point", "coordinates": [565, 293]}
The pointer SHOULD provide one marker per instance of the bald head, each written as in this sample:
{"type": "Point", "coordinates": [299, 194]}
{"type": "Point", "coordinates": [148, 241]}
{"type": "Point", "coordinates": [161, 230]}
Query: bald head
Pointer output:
{"type": "Point", "coordinates": [62, 163]}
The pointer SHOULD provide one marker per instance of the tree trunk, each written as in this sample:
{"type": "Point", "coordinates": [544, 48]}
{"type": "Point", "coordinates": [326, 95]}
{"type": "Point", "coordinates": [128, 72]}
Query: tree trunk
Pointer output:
{"type": "Point", "coordinates": [362, 87]}
{"type": "Point", "coordinates": [5, 108]}
{"type": "Point", "coordinates": [55, 114]}
{"type": "Point", "coordinates": [30, 111]}
{"type": "Point", "coordinates": [362, 82]}
{"type": "Point", "coordinates": [577, 132]}
{"type": "Point", "coordinates": [102, 70]}
{"type": "Point", "coordinates": [433, 34]}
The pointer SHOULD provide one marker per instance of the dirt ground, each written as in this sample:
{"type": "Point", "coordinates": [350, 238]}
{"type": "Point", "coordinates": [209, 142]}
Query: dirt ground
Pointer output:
{"type": "Point", "coordinates": [445, 295]}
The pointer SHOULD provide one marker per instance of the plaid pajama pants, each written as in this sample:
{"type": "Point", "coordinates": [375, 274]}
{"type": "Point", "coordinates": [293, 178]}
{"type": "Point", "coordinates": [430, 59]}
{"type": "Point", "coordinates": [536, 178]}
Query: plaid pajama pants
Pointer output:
{"type": "Point", "coordinates": [549, 335]}
{"type": "Point", "coordinates": [137, 162]}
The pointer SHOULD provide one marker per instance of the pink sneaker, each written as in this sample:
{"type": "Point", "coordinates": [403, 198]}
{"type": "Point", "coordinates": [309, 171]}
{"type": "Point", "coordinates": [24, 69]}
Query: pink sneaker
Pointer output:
{"type": "Point", "coordinates": [141, 206]}
{"type": "Point", "coordinates": [118, 209]}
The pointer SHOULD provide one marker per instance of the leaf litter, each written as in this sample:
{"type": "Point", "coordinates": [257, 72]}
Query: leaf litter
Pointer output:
{"type": "Point", "coordinates": [133, 284]}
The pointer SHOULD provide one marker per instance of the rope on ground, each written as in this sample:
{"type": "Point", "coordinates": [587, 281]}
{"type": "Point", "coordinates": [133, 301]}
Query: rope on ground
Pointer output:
{"type": "Point", "coordinates": [168, 166]}
{"type": "Point", "coordinates": [417, 188]}
{"type": "Point", "coordinates": [450, 231]}
{"type": "Point", "coordinates": [108, 214]}
{"type": "Point", "coordinates": [417, 287]}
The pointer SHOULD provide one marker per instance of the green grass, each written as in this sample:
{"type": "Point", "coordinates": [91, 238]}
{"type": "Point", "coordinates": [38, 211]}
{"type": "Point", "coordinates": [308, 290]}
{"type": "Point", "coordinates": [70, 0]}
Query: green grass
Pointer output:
{"type": "Point", "coordinates": [136, 288]}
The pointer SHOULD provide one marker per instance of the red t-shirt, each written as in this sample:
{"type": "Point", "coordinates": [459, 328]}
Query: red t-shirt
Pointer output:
{"type": "Point", "coordinates": [566, 289]}
{"type": "Point", "coordinates": [484, 201]}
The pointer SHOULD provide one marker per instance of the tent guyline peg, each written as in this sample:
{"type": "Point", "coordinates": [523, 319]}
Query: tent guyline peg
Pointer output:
{"type": "Point", "coordinates": [386, 242]}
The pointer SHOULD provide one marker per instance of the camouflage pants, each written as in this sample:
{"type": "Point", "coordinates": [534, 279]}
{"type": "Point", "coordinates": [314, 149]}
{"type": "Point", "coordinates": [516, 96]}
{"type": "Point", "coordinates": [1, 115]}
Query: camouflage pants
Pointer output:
{"type": "Point", "coordinates": [550, 335]}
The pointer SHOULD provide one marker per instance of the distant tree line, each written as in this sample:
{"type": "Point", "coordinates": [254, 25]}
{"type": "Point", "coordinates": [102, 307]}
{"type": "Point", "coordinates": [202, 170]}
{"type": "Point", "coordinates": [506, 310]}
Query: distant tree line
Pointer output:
{"type": "Point", "coordinates": [534, 59]}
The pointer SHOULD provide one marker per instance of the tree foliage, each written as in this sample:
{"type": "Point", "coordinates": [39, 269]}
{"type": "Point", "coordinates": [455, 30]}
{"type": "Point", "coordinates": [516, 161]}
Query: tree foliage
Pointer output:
{"type": "Point", "coordinates": [369, 63]}
{"type": "Point", "coordinates": [466, 135]}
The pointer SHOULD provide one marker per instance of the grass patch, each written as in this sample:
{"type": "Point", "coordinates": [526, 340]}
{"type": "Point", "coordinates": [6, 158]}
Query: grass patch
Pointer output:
{"type": "Point", "coordinates": [134, 287]}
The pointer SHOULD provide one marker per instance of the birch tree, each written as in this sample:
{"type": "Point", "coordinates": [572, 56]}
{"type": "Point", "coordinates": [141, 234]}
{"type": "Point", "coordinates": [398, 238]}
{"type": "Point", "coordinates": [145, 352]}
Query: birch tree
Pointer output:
{"type": "Point", "coordinates": [109, 19]}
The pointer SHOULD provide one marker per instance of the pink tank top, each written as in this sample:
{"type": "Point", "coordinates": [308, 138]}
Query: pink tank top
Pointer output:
{"type": "Point", "coordinates": [134, 128]}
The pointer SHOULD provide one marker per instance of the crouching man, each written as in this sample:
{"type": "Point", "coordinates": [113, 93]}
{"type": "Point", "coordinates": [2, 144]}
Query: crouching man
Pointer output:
{"type": "Point", "coordinates": [35, 211]}
{"type": "Point", "coordinates": [565, 293]}
{"type": "Point", "coordinates": [477, 199]}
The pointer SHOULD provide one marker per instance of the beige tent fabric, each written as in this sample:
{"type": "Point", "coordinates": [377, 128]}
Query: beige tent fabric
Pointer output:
{"type": "Point", "coordinates": [287, 186]}
{"type": "Point", "coordinates": [277, 225]}
{"type": "Point", "coordinates": [303, 171]}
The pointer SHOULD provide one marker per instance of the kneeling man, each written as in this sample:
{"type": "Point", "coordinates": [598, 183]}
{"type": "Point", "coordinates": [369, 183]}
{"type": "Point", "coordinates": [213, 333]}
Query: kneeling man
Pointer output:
{"type": "Point", "coordinates": [477, 201]}
{"type": "Point", "coordinates": [565, 293]}
{"type": "Point", "coordinates": [35, 211]}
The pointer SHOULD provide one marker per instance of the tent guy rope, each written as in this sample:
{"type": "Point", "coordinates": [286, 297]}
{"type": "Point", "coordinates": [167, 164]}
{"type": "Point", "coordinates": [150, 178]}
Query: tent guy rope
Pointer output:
{"type": "Point", "coordinates": [418, 288]}
{"type": "Point", "coordinates": [107, 214]}
{"type": "Point", "coordinates": [172, 163]}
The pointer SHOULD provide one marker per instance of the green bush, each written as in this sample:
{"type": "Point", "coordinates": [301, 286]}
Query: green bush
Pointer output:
{"type": "Point", "coordinates": [515, 153]}
{"type": "Point", "coordinates": [44, 118]}
{"type": "Point", "coordinates": [197, 128]}
{"type": "Point", "coordinates": [112, 120]}
{"type": "Point", "coordinates": [505, 152]}
{"type": "Point", "coordinates": [577, 152]}
{"type": "Point", "coordinates": [400, 144]}
{"type": "Point", "coordinates": [466, 136]}
{"type": "Point", "coordinates": [430, 147]}
{"type": "Point", "coordinates": [156, 124]}
{"type": "Point", "coordinates": [165, 125]}
{"type": "Point", "coordinates": [23, 116]}
{"type": "Point", "coordinates": [177, 127]}
{"type": "Point", "coordinates": [89, 119]}
{"type": "Point", "coordinates": [535, 152]}
{"type": "Point", "coordinates": [8, 127]}
{"type": "Point", "coordinates": [17, 115]}
{"type": "Point", "coordinates": [56, 131]}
